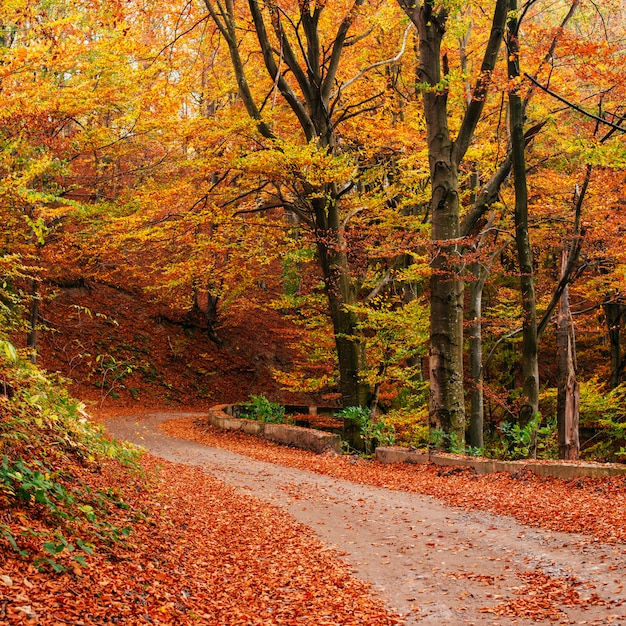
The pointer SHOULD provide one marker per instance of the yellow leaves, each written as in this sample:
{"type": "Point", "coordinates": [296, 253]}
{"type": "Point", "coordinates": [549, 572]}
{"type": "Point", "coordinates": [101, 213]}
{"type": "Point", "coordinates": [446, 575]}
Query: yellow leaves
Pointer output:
{"type": "Point", "coordinates": [611, 154]}
{"type": "Point", "coordinates": [292, 163]}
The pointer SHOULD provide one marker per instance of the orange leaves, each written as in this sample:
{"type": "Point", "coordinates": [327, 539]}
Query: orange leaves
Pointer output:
{"type": "Point", "coordinates": [203, 554]}
{"type": "Point", "coordinates": [542, 595]}
{"type": "Point", "coordinates": [591, 506]}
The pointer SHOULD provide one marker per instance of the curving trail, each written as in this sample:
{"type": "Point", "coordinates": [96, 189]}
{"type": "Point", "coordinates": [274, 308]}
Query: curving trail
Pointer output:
{"type": "Point", "coordinates": [432, 563]}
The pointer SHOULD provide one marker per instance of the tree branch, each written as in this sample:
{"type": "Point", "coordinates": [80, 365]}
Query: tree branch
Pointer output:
{"type": "Point", "coordinates": [572, 256]}
{"type": "Point", "coordinates": [224, 19]}
{"type": "Point", "coordinates": [479, 93]}
{"type": "Point", "coordinates": [333, 65]}
{"type": "Point", "coordinates": [294, 102]}
{"type": "Point", "coordinates": [571, 105]}
{"type": "Point", "coordinates": [517, 331]}
{"type": "Point", "coordinates": [362, 73]}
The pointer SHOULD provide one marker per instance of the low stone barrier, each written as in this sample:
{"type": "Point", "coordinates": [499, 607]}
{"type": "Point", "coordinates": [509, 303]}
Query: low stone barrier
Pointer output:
{"type": "Point", "coordinates": [560, 469]}
{"type": "Point", "coordinates": [319, 441]}
{"type": "Point", "coordinates": [297, 436]}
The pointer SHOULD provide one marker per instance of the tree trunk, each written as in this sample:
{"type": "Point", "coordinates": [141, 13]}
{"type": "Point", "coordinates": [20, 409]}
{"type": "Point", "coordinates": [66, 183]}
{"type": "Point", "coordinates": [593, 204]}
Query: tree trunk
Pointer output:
{"type": "Point", "coordinates": [613, 312]}
{"type": "Point", "coordinates": [476, 424]}
{"type": "Point", "coordinates": [447, 406]}
{"type": "Point", "coordinates": [341, 294]}
{"type": "Point", "coordinates": [568, 391]}
{"type": "Point", "coordinates": [530, 367]}
{"type": "Point", "coordinates": [31, 337]}
{"type": "Point", "coordinates": [307, 89]}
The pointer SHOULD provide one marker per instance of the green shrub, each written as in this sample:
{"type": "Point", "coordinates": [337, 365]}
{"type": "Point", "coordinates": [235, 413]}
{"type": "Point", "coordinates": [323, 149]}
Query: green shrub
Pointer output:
{"type": "Point", "coordinates": [374, 430]}
{"type": "Point", "coordinates": [44, 434]}
{"type": "Point", "coordinates": [410, 426]}
{"type": "Point", "coordinates": [602, 418]}
{"type": "Point", "coordinates": [261, 409]}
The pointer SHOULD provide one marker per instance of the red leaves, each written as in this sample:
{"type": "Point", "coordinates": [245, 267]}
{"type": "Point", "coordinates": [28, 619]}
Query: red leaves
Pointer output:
{"type": "Point", "coordinates": [199, 553]}
{"type": "Point", "coordinates": [594, 506]}
{"type": "Point", "coordinates": [541, 596]}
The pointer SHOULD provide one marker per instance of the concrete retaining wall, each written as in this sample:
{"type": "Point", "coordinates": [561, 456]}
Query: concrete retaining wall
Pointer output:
{"type": "Point", "coordinates": [319, 441]}
{"type": "Point", "coordinates": [560, 469]}
{"type": "Point", "coordinates": [297, 436]}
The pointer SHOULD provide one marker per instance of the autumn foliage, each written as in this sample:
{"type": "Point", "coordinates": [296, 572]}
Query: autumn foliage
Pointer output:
{"type": "Point", "coordinates": [207, 155]}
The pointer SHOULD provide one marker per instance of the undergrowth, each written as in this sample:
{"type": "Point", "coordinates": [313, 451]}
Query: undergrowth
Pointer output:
{"type": "Point", "coordinates": [261, 409]}
{"type": "Point", "coordinates": [49, 514]}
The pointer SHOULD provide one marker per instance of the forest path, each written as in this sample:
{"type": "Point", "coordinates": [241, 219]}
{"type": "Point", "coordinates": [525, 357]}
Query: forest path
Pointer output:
{"type": "Point", "coordinates": [432, 563]}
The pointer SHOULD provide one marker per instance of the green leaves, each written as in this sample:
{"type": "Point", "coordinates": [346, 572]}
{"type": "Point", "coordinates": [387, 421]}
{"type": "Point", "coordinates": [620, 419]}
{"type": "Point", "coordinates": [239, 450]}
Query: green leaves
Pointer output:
{"type": "Point", "coordinates": [42, 432]}
{"type": "Point", "coordinates": [58, 547]}
{"type": "Point", "coordinates": [8, 350]}
{"type": "Point", "coordinates": [374, 429]}
{"type": "Point", "coordinates": [261, 409]}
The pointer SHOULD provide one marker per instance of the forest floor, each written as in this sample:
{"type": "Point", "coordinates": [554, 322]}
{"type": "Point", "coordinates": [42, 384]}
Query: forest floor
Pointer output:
{"type": "Point", "coordinates": [230, 529]}
{"type": "Point", "coordinates": [438, 546]}
{"type": "Point", "coordinates": [275, 535]}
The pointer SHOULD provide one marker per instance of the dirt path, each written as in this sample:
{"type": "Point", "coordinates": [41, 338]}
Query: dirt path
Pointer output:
{"type": "Point", "coordinates": [432, 563]}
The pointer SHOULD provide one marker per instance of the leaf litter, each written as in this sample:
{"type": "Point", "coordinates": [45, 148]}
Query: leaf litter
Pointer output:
{"type": "Point", "coordinates": [592, 507]}
{"type": "Point", "coordinates": [199, 553]}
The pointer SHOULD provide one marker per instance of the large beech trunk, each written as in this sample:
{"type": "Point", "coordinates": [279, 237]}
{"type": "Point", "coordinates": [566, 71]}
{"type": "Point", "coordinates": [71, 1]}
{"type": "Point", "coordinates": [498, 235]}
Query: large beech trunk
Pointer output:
{"type": "Point", "coordinates": [341, 294]}
{"type": "Point", "coordinates": [447, 405]}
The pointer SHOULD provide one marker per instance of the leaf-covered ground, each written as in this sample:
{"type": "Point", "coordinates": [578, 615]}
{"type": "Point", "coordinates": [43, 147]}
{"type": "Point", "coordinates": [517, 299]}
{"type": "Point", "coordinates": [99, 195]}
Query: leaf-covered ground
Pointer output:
{"type": "Point", "coordinates": [595, 507]}
{"type": "Point", "coordinates": [199, 553]}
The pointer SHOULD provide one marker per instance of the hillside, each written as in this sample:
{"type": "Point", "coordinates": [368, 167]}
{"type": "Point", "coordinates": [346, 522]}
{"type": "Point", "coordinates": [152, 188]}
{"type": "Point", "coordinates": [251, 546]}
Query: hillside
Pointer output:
{"type": "Point", "coordinates": [121, 350]}
{"type": "Point", "coordinates": [91, 533]}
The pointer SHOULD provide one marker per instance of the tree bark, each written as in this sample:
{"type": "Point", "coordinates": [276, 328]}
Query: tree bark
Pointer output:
{"type": "Point", "coordinates": [447, 404]}
{"type": "Point", "coordinates": [613, 313]}
{"type": "Point", "coordinates": [568, 391]}
{"type": "Point", "coordinates": [476, 422]}
{"type": "Point", "coordinates": [530, 366]}
{"type": "Point", "coordinates": [33, 317]}
{"type": "Point", "coordinates": [341, 294]}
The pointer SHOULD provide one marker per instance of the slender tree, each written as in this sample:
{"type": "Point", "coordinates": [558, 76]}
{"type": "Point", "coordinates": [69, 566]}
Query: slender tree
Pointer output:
{"type": "Point", "coordinates": [530, 364]}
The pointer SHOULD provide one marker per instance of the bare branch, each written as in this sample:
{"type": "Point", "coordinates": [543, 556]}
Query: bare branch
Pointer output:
{"type": "Point", "coordinates": [350, 215]}
{"type": "Point", "coordinates": [517, 331]}
{"type": "Point", "coordinates": [277, 204]}
{"type": "Point", "coordinates": [270, 63]}
{"type": "Point", "coordinates": [571, 105]}
{"type": "Point", "coordinates": [479, 93]}
{"type": "Point", "coordinates": [572, 255]}
{"type": "Point", "coordinates": [171, 43]}
{"type": "Point", "coordinates": [364, 71]}
{"type": "Point", "coordinates": [386, 279]}
{"type": "Point", "coordinates": [333, 65]}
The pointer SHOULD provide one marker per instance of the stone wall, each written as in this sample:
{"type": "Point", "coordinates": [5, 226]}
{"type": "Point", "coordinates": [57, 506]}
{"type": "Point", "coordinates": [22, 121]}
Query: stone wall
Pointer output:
{"type": "Point", "coordinates": [297, 436]}
{"type": "Point", "coordinates": [558, 469]}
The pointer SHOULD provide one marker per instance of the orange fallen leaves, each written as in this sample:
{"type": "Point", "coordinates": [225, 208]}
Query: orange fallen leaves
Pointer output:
{"type": "Point", "coordinates": [542, 595]}
{"type": "Point", "coordinates": [200, 553]}
{"type": "Point", "coordinates": [592, 506]}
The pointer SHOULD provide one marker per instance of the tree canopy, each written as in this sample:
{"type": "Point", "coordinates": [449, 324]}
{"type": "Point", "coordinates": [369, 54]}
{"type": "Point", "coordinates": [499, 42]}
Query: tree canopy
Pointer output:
{"type": "Point", "coordinates": [425, 186]}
